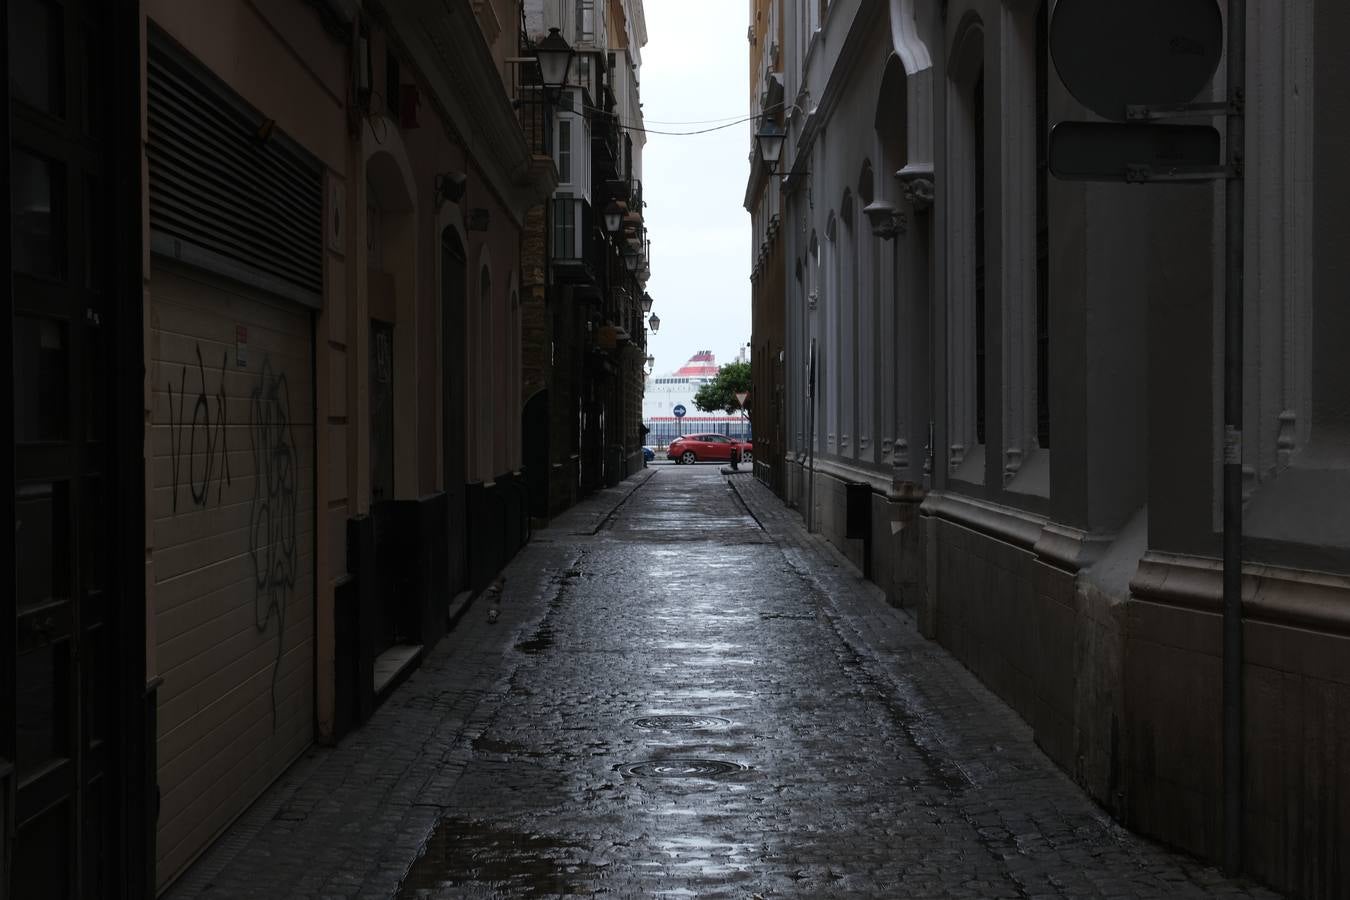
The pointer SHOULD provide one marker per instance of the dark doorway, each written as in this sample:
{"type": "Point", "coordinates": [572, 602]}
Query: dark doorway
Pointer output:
{"type": "Point", "coordinates": [382, 474]}
{"type": "Point", "coordinates": [381, 412]}
{"type": "Point", "coordinates": [535, 431]}
{"type": "Point", "coordinates": [454, 291]}
{"type": "Point", "coordinates": [62, 750]}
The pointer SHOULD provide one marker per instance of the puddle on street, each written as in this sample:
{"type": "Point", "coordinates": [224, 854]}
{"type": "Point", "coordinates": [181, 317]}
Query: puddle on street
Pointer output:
{"type": "Point", "coordinates": [489, 745]}
{"type": "Point", "coordinates": [706, 856]}
{"type": "Point", "coordinates": [702, 646]}
{"type": "Point", "coordinates": [542, 640]}
{"type": "Point", "coordinates": [467, 854]}
{"type": "Point", "coordinates": [714, 695]}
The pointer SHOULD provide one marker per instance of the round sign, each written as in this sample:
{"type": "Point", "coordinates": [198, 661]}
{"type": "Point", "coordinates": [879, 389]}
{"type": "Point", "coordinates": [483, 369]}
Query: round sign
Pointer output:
{"type": "Point", "coordinates": [679, 410]}
{"type": "Point", "coordinates": [1140, 52]}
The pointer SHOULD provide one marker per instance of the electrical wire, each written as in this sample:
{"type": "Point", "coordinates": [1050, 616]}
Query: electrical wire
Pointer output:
{"type": "Point", "coordinates": [695, 122]}
{"type": "Point", "coordinates": [640, 129]}
{"type": "Point", "coordinates": [644, 130]}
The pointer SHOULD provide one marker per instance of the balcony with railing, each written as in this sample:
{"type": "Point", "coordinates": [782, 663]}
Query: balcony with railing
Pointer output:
{"type": "Point", "coordinates": [527, 95]}
{"type": "Point", "coordinates": [578, 251]}
{"type": "Point", "coordinates": [606, 139]}
{"type": "Point", "coordinates": [590, 73]}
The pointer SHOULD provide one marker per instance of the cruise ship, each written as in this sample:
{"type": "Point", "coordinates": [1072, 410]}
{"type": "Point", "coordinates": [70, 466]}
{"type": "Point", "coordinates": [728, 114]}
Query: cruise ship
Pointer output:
{"type": "Point", "coordinates": [665, 392]}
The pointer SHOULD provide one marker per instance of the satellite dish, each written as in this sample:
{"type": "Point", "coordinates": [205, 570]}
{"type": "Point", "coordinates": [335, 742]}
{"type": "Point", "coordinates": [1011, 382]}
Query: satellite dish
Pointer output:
{"type": "Point", "coordinates": [1111, 55]}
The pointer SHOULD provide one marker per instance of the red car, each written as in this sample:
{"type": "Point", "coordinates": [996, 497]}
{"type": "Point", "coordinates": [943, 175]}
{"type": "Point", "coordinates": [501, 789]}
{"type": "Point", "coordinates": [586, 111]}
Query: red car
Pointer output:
{"type": "Point", "coordinates": [693, 448]}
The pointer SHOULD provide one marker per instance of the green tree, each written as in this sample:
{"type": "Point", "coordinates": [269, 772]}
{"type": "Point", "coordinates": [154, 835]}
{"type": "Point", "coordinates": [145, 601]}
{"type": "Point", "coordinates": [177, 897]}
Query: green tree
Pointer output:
{"type": "Point", "coordinates": [719, 395]}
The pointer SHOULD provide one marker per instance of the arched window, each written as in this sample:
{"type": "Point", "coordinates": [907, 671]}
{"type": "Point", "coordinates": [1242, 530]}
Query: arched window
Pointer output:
{"type": "Point", "coordinates": [866, 191]}
{"type": "Point", "coordinates": [847, 304]}
{"type": "Point", "coordinates": [813, 271]}
{"type": "Point", "coordinates": [892, 113]}
{"type": "Point", "coordinates": [454, 314]}
{"type": "Point", "coordinates": [513, 381]}
{"type": "Point", "coordinates": [966, 273]}
{"type": "Point", "coordinates": [829, 382]}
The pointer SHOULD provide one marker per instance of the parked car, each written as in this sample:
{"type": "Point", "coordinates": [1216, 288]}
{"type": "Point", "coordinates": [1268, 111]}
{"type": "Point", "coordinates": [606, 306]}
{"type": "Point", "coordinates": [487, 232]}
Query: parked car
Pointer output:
{"type": "Point", "coordinates": [694, 448]}
{"type": "Point", "coordinates": [648, 454]}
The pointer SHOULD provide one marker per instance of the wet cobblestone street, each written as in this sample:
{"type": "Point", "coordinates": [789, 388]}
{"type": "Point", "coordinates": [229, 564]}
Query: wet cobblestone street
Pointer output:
{"type": "Point", "coordinates": [685, 695]}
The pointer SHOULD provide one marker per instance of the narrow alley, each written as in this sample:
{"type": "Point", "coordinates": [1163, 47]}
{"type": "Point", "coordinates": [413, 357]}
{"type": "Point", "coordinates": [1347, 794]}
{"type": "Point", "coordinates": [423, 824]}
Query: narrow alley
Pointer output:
{"type": "Point", "coordinates": [679, 692]}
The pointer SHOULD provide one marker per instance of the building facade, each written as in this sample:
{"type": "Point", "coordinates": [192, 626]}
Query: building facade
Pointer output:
{"type": "Point", "coordinates": [768, 302]}
{"type": "Point", "coordinates": [585, 336]}
{"type": "Point", "coordinates": [1005, 401]}
{"type": "Point", "coordinates": [293, 232]}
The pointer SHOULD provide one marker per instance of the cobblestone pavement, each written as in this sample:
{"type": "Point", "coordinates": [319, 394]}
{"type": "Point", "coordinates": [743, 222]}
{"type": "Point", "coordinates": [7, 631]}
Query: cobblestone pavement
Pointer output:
{"type": "Point", "coordinates": [686, 695]}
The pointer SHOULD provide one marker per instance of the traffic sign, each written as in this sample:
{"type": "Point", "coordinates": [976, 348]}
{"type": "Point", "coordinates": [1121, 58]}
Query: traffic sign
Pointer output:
{"type": "Point", "coordinates": [679, 410]}
{"type": "Point", "coordinates": [1135, 52]}
{"type": "Point", "coordinates": [1107, 151]}
{"type": "Point", "coordinates": [740, 398]}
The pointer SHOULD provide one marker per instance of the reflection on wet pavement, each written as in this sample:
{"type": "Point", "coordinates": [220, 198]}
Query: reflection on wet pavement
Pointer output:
{"type": "Point", "coordinates": [686, 720]}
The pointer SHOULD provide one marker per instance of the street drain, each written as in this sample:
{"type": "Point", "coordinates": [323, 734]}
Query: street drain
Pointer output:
{"type": "Point", "coordinates": [682, 768]}
{"type": "Point", "coordinates": [679, 723]}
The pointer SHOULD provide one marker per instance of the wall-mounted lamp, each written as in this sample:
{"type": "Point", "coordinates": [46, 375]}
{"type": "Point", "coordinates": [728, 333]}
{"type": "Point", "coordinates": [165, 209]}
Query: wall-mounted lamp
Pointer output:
{"type": "Point", "coordinates": [654, 322]}
{"type": "Point", "coordinates": [769, 142]}
{"type": "Point", "coordinates": [887, 221]}
{"type": "Point", "coordinates": [613, 217]}
{"type": "Point", "coordinates": [631, 258]}
{"type": "Point", "coordinates": [646, 302]}
{"type": "Point", "coordinates": [449, 188]}
{"type": "Point", "coordinates": [554, 55]}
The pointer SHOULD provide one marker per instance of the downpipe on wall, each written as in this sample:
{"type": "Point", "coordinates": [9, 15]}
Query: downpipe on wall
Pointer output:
{"type": "Point", "coordinates": [1232, 455]}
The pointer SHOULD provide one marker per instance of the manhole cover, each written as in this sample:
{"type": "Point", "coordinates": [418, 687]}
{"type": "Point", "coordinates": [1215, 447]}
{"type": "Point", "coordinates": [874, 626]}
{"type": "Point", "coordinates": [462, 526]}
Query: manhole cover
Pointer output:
{"type": "Point", "coordinates": [679, 723]}
{"type": "Point", "coordinates": [682, 768]}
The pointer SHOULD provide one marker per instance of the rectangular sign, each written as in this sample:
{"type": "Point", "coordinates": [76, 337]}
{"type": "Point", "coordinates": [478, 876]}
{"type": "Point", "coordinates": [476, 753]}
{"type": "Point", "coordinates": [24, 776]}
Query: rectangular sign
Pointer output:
{"type": "Point", "coordinates": [1135, 152]}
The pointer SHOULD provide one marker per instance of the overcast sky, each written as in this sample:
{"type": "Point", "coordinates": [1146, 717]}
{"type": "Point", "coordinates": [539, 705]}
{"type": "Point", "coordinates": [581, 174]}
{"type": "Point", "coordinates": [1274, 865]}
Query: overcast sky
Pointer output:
{"type": "Point", "coordinates": [695, 67]}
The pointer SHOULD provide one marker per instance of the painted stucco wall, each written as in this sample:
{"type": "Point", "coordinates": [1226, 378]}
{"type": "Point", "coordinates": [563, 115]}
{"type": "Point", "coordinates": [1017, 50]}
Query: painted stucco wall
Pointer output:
{"type": "Point", "coordinates": [1079, 578]}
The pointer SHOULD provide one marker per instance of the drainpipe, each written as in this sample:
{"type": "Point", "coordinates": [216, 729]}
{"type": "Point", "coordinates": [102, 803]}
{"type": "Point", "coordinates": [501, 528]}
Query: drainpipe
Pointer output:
{"type": "Point", "coordinates": [1232, 445]}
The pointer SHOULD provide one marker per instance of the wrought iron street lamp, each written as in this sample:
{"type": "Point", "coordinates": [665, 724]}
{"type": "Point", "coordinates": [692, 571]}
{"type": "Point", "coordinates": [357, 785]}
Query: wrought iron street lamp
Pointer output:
{"type": "Point", "coordinates": [613, 217]}
{"type": "Point", "coordinates": [555, 61]}
{"type": "Point", "coordinates": [646, 302]}
{"type": "Point", "coordinates": [769, 141]}
{"type": "Point", "coordinates": [631, 258]}
{"type": "Point", "coordinates": [654, 322]}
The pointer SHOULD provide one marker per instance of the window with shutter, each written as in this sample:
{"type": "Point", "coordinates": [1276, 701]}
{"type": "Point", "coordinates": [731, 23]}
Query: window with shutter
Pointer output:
{"type": "Point", "coordinates": [228, 192]}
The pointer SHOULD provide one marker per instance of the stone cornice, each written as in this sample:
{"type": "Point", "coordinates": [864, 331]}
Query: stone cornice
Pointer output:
{"type": "Point", "coordinates": [847, 470]}
{"type": "Point", "coordinates": [1295, 598]}
{"type": "Point", "coordinates": [1071, 549]}
{"type": "Point", "coordinates": [1006, 523]}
